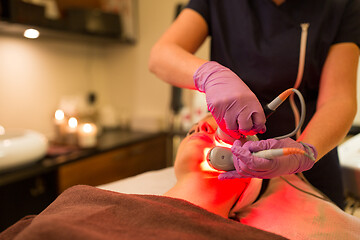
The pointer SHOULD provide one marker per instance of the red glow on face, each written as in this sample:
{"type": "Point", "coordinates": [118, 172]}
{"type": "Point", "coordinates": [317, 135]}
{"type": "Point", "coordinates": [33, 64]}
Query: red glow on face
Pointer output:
{"type": "Point", "coordinates": [204, 165]}
{"type": "Point", "coordinates": [219, 142]}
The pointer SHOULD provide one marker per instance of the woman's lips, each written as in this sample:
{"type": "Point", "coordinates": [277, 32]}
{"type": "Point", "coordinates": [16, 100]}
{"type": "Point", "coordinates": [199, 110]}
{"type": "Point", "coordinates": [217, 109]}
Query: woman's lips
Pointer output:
{"type": "Point", "coordinates": [203, 137]}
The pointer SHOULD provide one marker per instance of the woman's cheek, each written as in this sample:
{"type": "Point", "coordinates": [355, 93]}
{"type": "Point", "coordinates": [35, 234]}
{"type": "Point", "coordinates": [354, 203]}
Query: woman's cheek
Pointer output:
{"type": "Point", "coordinates": [189, 157]}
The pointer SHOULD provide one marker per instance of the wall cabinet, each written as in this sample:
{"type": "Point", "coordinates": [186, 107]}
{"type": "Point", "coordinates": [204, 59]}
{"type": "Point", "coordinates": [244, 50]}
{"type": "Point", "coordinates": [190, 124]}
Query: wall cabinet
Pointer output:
{"type": "Point", "coordinates": [17, 30]}
{"type": "Point", "coordinates": [26, 197]}
{"type": "Point", "coordinates": [94, 21]}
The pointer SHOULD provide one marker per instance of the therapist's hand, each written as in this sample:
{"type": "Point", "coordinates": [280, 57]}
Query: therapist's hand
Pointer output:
{"type": "Point", "coordinates": [233, 105]}
{"type": "Point", "coordinates": [249, 166]}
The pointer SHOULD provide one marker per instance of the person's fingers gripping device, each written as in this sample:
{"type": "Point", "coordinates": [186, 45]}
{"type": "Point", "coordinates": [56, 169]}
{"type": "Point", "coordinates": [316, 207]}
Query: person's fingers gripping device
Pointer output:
{"type": "Point", "coordinates": [221, 158]}
{"type": "Point", "coordinates": [225, 94]}
{"type": "Point", "coordinates": [269, 109]}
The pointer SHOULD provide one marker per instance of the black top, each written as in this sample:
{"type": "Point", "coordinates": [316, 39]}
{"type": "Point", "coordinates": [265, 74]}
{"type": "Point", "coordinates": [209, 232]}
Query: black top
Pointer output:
{"type": "Point", "coordinates": [260, 42]}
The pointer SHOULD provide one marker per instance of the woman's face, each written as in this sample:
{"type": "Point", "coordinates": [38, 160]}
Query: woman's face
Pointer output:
{"type": "Point", "coordinates": [193, 149]}
{"type": "Point", "coordinates": [191, 159]}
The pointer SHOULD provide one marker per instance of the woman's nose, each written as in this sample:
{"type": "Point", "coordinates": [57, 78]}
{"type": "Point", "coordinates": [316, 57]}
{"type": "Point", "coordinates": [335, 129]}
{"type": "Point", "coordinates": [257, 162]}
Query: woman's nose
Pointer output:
{"type": "Point", "coordinates": [204, 126]}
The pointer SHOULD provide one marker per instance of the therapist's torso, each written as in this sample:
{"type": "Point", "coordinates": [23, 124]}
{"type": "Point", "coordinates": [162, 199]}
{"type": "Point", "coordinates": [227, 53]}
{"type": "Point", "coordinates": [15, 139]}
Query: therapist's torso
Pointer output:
{"type": "Point", "coordinates": [260, 42]}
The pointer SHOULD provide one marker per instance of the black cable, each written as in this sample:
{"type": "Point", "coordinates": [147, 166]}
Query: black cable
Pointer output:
{"type": "Point", "coordinates": [323, 197]}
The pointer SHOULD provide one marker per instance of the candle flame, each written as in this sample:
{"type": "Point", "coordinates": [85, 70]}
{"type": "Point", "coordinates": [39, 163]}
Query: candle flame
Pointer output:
{"type": "Point", "coordinates": [31, 33]}
{"type": "Point", "coordinates": [87, 128]}
{"type": "Point", "coordinates": [2, 130]}
{"type": "Point", "coordinates": [72, 122]}
{"type": "Point", "coordinates": [59, 114]}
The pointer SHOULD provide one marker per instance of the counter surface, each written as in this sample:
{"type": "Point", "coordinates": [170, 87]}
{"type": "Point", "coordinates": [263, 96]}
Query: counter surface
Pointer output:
{"type": "Point", "coordinates": [59, 155]}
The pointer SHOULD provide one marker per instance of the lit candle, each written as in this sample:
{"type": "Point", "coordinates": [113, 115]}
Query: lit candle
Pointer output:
{"type": "Point", "coordinates": [72, 124]}
{"type": "Point", "coordinates": [31, 33]}
{"type": "Point", "coordinates": [71, 137]}
{"type": "Point", "coordinates": [59, 116]}
{"type": "Point", "coordinates": [60, 124]}
{"type": "Point", "coordinates": [2, 130]}
{"type": "Point", "coordinates": [87, 135]}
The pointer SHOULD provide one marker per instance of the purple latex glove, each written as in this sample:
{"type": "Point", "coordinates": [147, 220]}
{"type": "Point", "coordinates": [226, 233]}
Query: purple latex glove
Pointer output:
{"type": "Point", "coordinates": [234, 106]}
{"type": "Point", "coordinates": [249, 166]}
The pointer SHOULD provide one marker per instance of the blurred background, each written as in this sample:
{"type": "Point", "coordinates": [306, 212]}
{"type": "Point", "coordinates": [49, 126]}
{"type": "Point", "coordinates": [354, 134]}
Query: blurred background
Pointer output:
{"type": "Point", "coordinates": [78, 85]}
{"type": "Point", "coordinates": [77, 102]}
{"type": "Point", "coordinates": [59, 68]}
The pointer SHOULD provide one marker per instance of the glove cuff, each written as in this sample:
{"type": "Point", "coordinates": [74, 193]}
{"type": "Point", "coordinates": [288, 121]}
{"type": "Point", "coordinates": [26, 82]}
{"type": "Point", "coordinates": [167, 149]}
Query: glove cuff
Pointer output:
{"type": "Point", "coordinates": [311, 150]}
{"type": "Point", "coordinates": [203, 73]}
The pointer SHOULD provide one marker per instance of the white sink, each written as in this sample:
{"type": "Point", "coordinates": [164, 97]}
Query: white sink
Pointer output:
{"type": "Point", "coordinates": [18, 146]}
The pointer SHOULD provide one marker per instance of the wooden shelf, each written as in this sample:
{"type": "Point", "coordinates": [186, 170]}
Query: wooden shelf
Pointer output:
{"type": "Point", "coordinates": [17, 30]}
{"type": "Point", "coordinates": [114, 165]}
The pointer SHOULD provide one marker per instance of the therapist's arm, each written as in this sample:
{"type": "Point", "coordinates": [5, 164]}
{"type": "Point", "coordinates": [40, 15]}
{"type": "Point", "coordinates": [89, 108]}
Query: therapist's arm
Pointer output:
{"type": "Point", "coordinates": [171, 58]}
{"type": "Point", "coordinates": [336, 105]}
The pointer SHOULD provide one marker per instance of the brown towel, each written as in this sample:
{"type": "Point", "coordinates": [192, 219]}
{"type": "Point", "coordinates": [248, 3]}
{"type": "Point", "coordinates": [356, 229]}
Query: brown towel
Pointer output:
{"type": "Point", "coordinates": [84, 212]}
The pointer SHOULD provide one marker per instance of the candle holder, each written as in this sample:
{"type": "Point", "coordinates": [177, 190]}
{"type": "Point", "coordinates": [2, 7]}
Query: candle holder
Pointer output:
{"type": "Point", "coordinates": [87, 135]}
{"type": "Point", "coordinates": [60, 127]}
{"type": "Point", "coordinates": [71, 131]}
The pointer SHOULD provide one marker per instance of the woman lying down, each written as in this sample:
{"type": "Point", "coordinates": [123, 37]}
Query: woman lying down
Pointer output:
{"type": "Point", "coordinates": [198, 206]}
